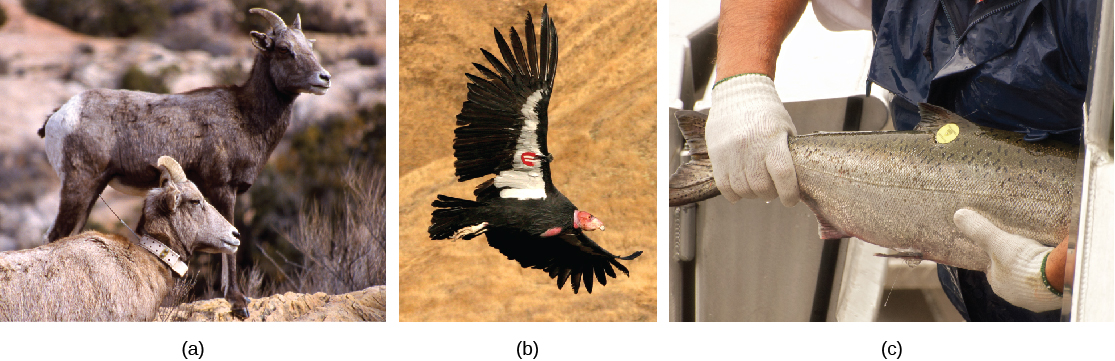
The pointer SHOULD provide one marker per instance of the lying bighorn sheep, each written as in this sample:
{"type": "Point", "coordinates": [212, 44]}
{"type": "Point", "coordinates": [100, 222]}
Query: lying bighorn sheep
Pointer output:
{"type": "Point", "coordinates": [99, 277]}
{"type": "Point", "coordinates": [222, 136]}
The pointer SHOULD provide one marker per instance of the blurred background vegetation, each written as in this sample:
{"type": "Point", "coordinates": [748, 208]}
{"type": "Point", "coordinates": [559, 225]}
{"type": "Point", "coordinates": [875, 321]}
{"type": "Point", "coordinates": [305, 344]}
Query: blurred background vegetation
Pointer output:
{"type": "Point", "coordinates": [117, 18]}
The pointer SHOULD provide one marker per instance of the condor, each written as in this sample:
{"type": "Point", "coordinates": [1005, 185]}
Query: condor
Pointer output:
{"type": "Point", "coordinates": [501, 130]}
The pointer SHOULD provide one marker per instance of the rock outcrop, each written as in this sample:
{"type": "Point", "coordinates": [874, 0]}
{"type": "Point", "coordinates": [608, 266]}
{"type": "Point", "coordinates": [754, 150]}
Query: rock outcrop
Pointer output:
{"type": "Point", "coordinates": [369, 304]}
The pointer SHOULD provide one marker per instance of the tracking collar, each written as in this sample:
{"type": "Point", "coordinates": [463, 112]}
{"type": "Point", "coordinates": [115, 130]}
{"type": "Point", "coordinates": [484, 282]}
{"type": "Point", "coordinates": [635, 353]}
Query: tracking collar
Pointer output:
{"type": "Point", "coordinates": [167, 255]}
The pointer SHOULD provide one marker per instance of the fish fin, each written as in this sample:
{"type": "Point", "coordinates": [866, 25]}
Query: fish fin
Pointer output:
{"type": "Point", "coordinates": [828, 231]}
{"type": "Point", "coordinates": [902, 254]}
{"type": "Point", "coordinates": [912, 258]}
{"type": "Point", "coordinates": [934, 117]}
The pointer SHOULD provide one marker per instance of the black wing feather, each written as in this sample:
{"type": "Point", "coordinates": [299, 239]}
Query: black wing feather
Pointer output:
{"type": "Point", "coordinates": [571, 256]}
{"type": "Point", "coordinates": [496, 98]}
{"type": "Point", "coordinates": [532, 49]}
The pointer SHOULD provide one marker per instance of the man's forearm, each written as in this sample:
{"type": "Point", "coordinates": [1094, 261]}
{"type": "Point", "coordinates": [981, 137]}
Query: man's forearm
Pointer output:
{"type": "Point", "coordinates": [1055, 266]}
{"type": "Point", "coordinates": [751, 34]}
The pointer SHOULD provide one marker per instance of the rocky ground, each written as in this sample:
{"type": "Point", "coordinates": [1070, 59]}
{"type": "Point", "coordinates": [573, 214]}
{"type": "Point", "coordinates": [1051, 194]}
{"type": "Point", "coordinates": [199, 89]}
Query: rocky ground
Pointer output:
{"type": "Point", "coordinates": [602, 134]}
{"type": "Point", "coordinates": [365, 305]}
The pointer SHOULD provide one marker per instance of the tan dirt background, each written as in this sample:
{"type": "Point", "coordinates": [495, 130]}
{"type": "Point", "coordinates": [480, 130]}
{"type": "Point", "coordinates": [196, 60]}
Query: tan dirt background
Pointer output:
{"type": "Point", "coordinates": [602, 135]}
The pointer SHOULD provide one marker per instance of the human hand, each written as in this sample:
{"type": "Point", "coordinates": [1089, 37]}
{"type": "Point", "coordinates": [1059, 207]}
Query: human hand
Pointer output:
{"type": "Point", "coordinates": [747, 134]}
{"type": "Point", "coordinates": [1016, 267]}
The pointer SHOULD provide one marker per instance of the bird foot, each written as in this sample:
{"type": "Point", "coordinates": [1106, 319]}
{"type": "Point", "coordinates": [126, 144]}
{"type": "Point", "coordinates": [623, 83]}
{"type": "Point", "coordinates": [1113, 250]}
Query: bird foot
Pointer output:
{"type": "Point", "coordinates": [471, 231]}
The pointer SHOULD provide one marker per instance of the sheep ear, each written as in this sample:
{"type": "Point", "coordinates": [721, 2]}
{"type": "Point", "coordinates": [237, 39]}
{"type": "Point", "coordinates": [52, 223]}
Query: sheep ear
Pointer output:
{"type": "Point", "coordinates": [173, 198]}
{"type": "Point", "coordinates": [261, 41]}
{"type": "Point", "coordinates": [169, 198]}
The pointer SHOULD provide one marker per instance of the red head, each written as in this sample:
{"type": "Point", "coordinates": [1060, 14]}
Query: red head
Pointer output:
{"type": "Point", "coordinates": [586, 221]}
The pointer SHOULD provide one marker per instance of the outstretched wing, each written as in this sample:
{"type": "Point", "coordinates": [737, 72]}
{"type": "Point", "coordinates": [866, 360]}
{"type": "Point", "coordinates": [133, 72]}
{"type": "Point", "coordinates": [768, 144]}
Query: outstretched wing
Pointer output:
{"type": "Point", "coordinates": [569, 256]}
{"type": "Point", "coordinates": [501, 129]}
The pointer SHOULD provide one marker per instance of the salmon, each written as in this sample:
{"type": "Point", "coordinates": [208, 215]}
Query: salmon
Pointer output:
{"type": "Point", "coordinates": [899, 189]}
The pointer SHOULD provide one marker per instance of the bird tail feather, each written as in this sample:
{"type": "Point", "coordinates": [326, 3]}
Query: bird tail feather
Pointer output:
{"type": "Point", "coordinates": [452, 215]}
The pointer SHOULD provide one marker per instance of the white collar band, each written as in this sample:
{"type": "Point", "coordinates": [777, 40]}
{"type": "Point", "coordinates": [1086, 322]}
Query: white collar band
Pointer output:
{"type": "Point", "coordinates": [167, 255]}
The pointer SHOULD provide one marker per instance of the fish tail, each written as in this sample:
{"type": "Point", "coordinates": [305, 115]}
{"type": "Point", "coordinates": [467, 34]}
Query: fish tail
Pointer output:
{"type": "Point", "coordinates": [693, 181]}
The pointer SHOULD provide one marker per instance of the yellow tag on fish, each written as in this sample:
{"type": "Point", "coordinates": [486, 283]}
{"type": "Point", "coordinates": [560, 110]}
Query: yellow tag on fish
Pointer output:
{"type": "Point", "coordinates": [947, 133]}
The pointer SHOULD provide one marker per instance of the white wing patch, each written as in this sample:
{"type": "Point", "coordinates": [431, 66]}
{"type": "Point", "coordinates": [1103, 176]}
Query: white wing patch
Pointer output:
{"type": "Point", "coordinates": [524, 179]}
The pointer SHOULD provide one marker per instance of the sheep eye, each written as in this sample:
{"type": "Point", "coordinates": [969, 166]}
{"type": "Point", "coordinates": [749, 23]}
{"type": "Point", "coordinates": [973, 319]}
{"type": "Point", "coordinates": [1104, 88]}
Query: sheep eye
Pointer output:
{"type": "Point", "coordinates": [195, 202]}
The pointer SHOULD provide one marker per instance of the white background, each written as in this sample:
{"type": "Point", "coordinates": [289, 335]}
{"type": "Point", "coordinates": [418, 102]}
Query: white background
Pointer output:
{"type": "Point", "coordinates": [557, 341]}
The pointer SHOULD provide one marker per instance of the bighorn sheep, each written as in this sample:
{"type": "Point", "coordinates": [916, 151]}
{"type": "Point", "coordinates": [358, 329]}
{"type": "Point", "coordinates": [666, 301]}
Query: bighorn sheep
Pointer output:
{"type": "Point", "coordinates": [222, 136]}
{"type": "Point", "coordinates": [98, 277]}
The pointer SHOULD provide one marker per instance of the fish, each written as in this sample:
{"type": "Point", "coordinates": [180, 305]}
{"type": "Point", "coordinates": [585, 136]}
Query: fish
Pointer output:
{"type": "Point", "coordinates": [900, 189]}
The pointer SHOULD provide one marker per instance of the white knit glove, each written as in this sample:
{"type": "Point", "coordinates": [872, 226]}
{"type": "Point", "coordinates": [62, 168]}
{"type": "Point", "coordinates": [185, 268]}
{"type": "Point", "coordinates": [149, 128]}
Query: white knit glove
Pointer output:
{"type": "Point", "coordinates": [747, 132]}
{"type": "Point", "coordinates": [1015, 272]}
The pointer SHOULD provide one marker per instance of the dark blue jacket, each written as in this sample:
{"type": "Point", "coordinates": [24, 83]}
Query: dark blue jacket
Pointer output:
{"type": "Point", "coordinates": [1020, 65]}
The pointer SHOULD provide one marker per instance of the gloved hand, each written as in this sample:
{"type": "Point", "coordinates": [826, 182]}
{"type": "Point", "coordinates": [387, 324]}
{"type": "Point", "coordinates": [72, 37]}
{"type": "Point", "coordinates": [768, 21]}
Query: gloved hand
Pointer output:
{"type": "Point", "coordinates": [747, 134]}
{"type": "Point", "coordinates": [1016, 262]}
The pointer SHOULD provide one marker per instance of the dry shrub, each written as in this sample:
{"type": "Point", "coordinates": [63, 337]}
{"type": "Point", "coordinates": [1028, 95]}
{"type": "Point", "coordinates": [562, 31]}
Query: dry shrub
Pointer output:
{"type": "Point", "coordinates": [344, 247]}
{"type": "Point", "coordinates": [179, 294]}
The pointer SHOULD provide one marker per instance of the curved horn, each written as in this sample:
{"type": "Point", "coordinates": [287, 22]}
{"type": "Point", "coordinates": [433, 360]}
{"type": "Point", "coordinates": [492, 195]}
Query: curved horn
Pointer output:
{"type": "Point", "coordinates": [297, 22]}
{"type": "Point", "coordinates": [173, 168]}
{"type": "Point", "coordinates": [274, 20]}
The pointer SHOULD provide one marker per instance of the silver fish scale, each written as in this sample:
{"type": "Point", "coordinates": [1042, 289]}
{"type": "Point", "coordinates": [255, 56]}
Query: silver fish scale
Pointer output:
{"type": "Point", "coordinates": [900, 189]}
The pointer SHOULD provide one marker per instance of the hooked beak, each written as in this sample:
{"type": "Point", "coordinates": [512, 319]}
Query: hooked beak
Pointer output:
{"type": "Point", "coordinates": [586, 222]}
{"type": "Point", "coordinates": [594, 224]}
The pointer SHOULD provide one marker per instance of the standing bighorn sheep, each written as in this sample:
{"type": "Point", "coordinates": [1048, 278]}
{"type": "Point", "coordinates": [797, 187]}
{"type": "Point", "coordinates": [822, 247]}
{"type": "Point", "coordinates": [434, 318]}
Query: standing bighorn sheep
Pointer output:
{"type": "Point", "coordinates": [98, 277]}
{"type": "Point", "coordinates": [222, 136]}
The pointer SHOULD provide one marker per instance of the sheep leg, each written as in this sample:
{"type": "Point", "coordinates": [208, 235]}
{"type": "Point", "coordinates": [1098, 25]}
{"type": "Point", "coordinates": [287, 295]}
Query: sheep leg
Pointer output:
{"type": "Point", "coordinates": [225, 202]}
{"type": "Point", "coordinates": [77, 201]}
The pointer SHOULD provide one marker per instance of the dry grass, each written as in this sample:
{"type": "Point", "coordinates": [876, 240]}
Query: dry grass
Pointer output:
{"type": "Point", "coordinates": [343, 249]}
{"type": "Point", "coordinates": [602, 134]}
{"type": "Point", "coordinates": [179, 294]}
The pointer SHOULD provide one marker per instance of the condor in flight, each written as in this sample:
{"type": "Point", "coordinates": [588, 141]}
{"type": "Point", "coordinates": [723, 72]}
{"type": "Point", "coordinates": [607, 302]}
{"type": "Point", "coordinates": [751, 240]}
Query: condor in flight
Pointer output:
{"type": "Point", "coordinates": [501, 130]}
